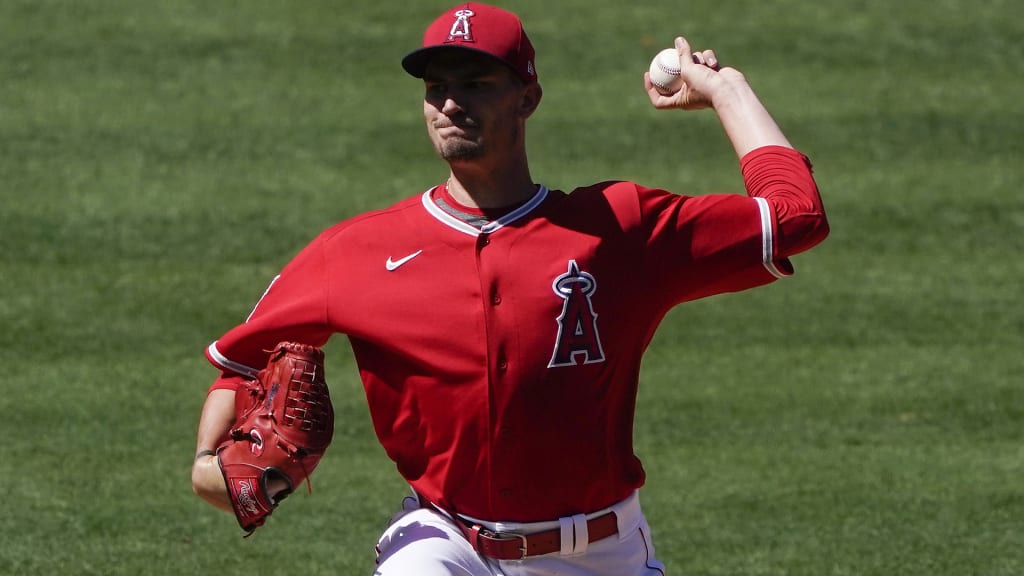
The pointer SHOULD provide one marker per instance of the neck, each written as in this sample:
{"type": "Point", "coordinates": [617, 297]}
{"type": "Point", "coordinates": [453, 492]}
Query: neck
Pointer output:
{"type": "Point", "coordinates": [484, 187]}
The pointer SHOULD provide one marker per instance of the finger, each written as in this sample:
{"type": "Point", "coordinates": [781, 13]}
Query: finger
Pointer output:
{"type": "Point", "coordinates": [706, 58]}
{"type": "Point", "coordinates": [659, 100]}
{"type": "Point", "coordinates": [710, 59]}
{"type": "Point", "coordinates": [652, 92]}
{"type": "Point", "coordinates": [685, 53]}
{"type": "Point", "coordinates": [648, 86]}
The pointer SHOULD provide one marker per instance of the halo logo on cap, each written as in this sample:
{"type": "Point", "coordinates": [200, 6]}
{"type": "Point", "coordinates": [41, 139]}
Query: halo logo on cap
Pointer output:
{"type": "Point", "coordinates": [461, 28]}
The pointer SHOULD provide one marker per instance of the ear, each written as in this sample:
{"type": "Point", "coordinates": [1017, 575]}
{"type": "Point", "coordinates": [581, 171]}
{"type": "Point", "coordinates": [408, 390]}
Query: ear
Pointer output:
{"type": "Point", "coordinates": [532, 94]}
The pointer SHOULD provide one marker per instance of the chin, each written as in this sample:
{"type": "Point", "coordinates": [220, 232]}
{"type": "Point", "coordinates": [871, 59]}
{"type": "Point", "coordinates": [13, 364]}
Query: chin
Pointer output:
{"type": "Point", "coordinates": [461, 151]}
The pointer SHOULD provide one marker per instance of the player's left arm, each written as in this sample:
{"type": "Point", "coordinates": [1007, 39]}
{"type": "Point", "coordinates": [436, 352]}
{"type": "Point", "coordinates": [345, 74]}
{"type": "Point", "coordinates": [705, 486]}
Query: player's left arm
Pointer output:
{"type": "Point", "coordinates": [217, 416]}
{"type": "Point", "coordinates": [290, 309]}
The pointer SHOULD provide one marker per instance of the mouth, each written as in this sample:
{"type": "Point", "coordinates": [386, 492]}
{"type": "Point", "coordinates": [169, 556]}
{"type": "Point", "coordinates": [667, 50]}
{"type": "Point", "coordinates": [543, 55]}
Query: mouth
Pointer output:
{"type": "Point", "coordinates": [448, 126]}
{"type": "Point", "coordinates": [453, 130]}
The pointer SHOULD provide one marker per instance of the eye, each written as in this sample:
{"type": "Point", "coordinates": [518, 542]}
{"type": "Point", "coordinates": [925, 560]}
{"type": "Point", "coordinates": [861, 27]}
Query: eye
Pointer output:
{"type": "Point", "coordinates": [477, 84]}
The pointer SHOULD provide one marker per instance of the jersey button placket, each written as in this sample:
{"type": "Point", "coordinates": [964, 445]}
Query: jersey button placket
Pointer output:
{"type": "Point", "coordinates": [491, 266]}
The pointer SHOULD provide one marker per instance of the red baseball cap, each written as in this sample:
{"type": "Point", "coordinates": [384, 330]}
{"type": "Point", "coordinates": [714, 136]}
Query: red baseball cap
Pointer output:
{"type": "Point", "coordinates": [481, 28]}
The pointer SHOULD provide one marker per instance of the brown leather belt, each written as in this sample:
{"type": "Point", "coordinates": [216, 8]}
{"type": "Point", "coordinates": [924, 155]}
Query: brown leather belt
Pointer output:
{"type": "Point", "coordinates": [512, 546]}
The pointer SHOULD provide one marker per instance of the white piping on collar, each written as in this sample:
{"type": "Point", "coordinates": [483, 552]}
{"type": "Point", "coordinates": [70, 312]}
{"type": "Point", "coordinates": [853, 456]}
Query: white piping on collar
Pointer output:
{"type": "Point", "coordinates": [447, 219]}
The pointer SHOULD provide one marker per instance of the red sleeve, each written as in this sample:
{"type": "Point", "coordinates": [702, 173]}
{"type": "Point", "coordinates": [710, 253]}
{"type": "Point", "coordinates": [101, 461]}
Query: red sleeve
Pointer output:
{"type": "Point", "coordinates": [783, 178]}
{"type": "Point", "coordinates": [293, 308]}
{"type": "Point", "coordinates": [226, 381]}
{"type": "Point", "coordinates": [697, 246]}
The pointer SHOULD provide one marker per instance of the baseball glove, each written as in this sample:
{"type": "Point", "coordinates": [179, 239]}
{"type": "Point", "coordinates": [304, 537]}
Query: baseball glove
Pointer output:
{"type": "Point", "coordinates": [284, 422]}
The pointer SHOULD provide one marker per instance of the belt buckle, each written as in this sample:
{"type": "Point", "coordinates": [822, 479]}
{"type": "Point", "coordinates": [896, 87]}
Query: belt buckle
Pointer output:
{"type": "Point", "coordinates": [512, 536]}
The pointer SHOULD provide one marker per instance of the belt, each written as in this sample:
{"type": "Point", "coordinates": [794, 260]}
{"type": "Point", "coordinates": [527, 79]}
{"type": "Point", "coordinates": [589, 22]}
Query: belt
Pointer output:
{"type": "Point", "coordinates": [513, 546]}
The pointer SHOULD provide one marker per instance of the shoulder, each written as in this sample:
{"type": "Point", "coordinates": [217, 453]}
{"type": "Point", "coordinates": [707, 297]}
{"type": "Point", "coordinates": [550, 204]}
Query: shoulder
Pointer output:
{"type": "Point", "coordinates": [396, 217]}
{"type": "Point", "coordinates": [600, 207]}
{"type": "Point", "coordinates": [617, 192]}
{"type": "Point", "coordinates": [619, 195]}
{"type": "Point", "coordinates": [606, 188]}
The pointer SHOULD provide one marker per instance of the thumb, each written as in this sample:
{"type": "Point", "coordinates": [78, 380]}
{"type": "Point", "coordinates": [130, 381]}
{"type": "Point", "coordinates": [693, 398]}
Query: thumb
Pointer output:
{"type": "Point", "coordinates": [695, 77]}
{"type": "Point", "coordinates": [685, 52]}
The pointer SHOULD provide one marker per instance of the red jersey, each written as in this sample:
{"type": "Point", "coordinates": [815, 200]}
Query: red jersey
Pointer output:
{"type": "Point", "coordinates": [501, 364]}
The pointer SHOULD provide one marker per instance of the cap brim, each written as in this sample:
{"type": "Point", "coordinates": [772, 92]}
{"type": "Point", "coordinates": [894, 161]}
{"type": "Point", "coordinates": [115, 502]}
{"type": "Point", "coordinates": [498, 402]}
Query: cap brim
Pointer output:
{"type": "Point", "coordinates": [416, 62]}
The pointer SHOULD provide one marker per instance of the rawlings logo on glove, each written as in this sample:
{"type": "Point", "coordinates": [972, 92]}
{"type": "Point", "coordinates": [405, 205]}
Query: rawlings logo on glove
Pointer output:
{"type": "Point", "coordinates": [284, 422]}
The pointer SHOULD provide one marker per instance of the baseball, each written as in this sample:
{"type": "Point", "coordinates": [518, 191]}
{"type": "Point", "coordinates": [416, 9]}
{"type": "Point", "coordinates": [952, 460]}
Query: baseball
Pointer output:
{"type": "Point", "coordinates": [665, 72]}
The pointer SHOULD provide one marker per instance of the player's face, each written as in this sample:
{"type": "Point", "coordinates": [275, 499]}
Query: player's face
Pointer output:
{"type": "Point", "coordinates": [472, 106]}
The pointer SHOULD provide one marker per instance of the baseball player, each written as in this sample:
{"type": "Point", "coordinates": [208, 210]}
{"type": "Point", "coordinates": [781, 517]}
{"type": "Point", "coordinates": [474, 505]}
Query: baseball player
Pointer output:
{"type": "Point", "coordinates": [499, 325]}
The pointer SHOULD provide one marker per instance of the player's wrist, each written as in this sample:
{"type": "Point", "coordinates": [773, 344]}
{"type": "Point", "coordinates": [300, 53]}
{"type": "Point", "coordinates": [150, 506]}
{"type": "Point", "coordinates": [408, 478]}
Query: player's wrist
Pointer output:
{"type": "Point", "coordinates": [208, 481]}
{"type": "Point", "coordinates": [731, 92]}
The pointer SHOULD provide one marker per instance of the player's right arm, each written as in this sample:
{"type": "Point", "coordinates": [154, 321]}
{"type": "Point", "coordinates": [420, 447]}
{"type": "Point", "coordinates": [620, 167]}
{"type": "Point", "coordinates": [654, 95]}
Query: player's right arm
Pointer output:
{"type": "Point", "coordinates": [787, 205]}
{"type": "Point", "coordinates": [746, 121]}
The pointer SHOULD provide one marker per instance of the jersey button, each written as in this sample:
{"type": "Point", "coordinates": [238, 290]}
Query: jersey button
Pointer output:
{"type": "Point", "coordinates": [496, 299]}
{"type": "Point", "coordinates": [502, 365]}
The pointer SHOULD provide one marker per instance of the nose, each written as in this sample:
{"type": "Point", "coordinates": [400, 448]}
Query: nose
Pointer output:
{"type": "Point", "coordinates": [450, 106]}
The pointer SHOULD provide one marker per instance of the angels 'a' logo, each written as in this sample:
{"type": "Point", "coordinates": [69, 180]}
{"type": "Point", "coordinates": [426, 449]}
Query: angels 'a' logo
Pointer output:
{"type": "Point", "coordinates": [577, 325]}
{"type": "Point", "coordinates": [461, 29]}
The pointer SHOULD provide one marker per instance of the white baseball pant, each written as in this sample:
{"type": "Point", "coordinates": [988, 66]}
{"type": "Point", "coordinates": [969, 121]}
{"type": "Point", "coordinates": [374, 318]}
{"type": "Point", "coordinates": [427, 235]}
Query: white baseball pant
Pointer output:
{"type": "Point", "coordinates": [426, 542]}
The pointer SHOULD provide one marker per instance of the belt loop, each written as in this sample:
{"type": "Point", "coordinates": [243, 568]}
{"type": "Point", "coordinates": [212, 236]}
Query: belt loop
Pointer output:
{"type": "Point", "coordinates": [582, 533]}
{"type": "Point", "coordinates": [474, 537]}
{"type": "Point", "coordinates": [568, 536]}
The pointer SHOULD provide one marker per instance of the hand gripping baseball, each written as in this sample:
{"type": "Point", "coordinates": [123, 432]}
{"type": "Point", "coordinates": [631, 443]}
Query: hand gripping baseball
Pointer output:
{"type": "Point", "coordinates": [701, 78]}
{"type": "Point", "coordinates": [284, 424]}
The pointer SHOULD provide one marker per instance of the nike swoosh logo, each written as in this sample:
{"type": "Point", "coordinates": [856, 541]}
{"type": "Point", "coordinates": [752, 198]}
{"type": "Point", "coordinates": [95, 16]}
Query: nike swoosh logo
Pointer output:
{"type": "Point", "coordinates": [392, 265]}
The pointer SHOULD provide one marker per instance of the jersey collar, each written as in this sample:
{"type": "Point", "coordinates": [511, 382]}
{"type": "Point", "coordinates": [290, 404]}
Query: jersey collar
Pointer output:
{"type": "Point", "coordinates": [448, 220]}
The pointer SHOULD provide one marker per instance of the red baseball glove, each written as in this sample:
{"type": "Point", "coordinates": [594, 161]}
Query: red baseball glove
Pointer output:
{"type": "Point", "coordinates": [284, 422]}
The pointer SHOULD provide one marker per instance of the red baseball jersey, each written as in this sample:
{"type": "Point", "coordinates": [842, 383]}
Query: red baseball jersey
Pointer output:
{"type": "Point", "coordinates": [501, 363]}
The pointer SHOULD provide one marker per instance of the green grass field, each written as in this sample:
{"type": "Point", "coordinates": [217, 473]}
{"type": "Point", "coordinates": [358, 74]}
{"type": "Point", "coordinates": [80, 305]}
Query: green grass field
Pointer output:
{"type": "Point", "coordinates": [161, 160]}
